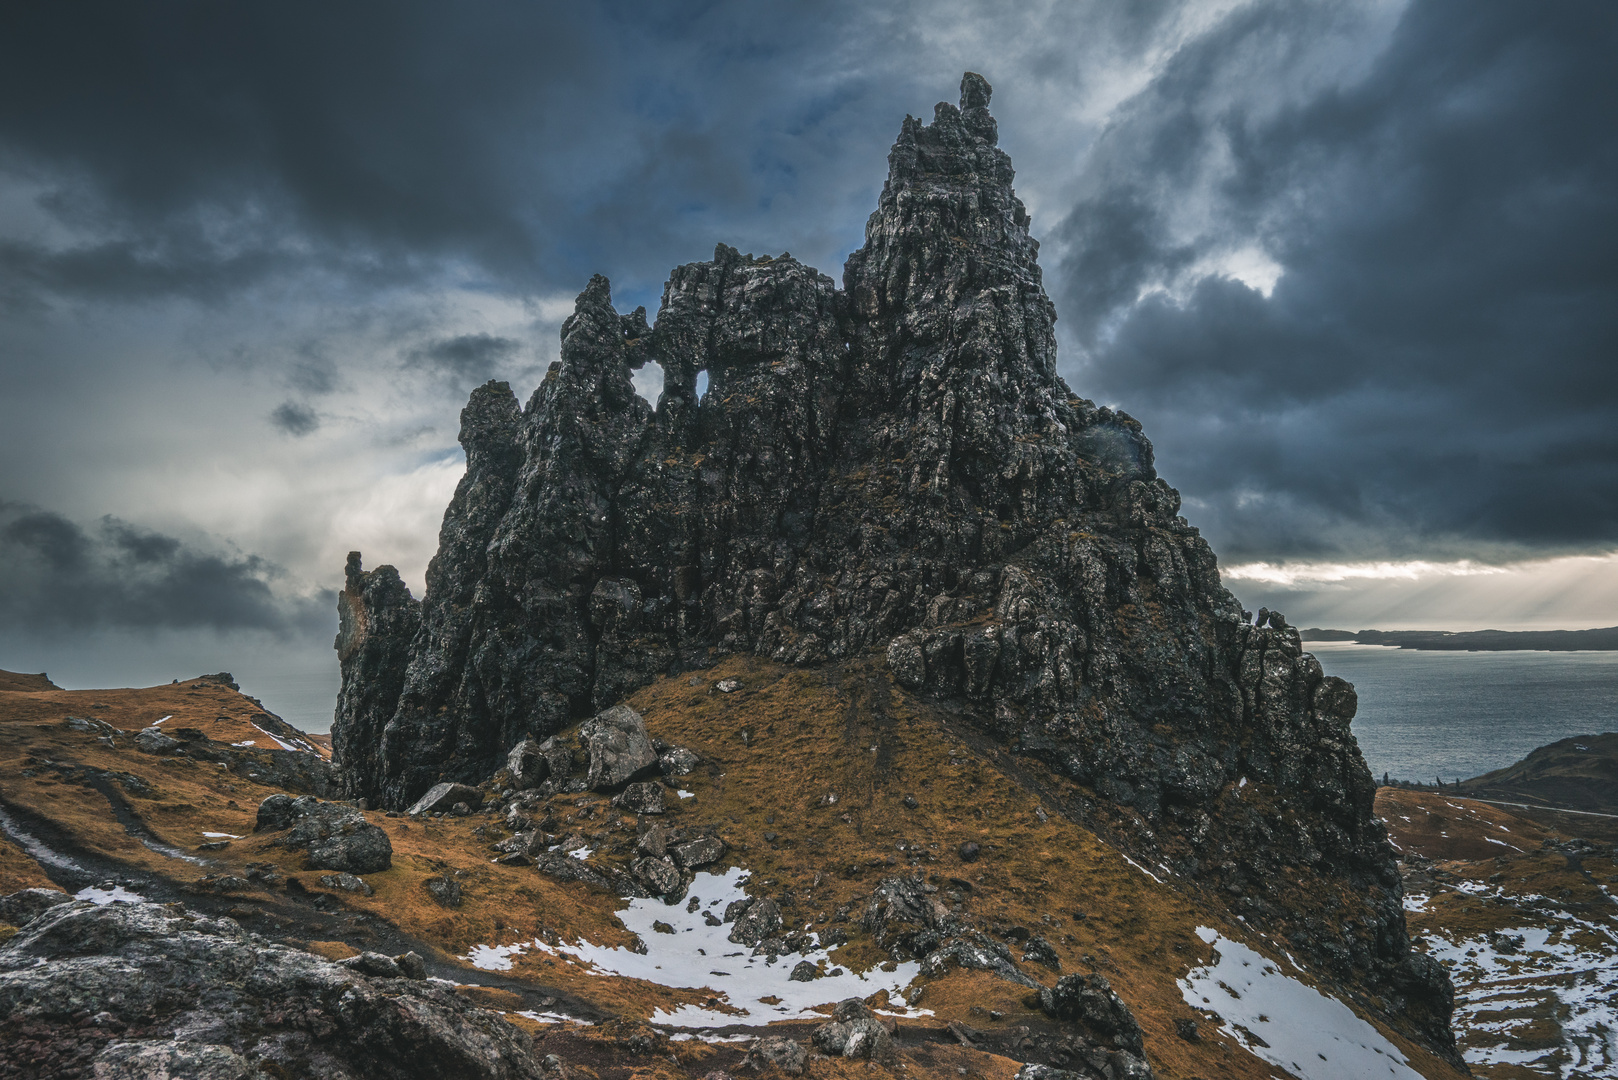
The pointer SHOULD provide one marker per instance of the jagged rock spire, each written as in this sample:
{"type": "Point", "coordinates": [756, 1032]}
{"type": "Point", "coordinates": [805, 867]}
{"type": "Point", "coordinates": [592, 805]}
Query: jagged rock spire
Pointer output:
{"type": "Point", "coordinates": [894, 470]}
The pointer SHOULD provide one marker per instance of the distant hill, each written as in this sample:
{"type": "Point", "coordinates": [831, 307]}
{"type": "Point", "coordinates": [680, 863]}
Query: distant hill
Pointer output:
{"type": "Point", "coordinates": [1476, 640]}
{"type": "Point", "coordinates": [1580, 773]}
{"type": "Point", "coordinates": [17, 681]}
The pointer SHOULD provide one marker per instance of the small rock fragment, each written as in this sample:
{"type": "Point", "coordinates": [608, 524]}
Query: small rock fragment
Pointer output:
{"type": "Point", "coordinates": [783, 1053]}
{"type": "Point", "coordinates": [446, 891]}
{"type": "Point", "coordinates": [347, 883]}
{"type": "Point", "coordinates": [640, 798]}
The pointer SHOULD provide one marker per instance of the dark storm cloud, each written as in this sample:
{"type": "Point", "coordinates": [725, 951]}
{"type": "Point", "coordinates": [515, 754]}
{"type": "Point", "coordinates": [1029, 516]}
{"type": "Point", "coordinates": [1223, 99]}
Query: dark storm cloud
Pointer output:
{"type": "Point", "coordinates": [295, 419]}
{"type": "Point", "coordinates": [1434, 370]}
{"type": "Point", "coordinates": [58, 577]}
{"type": "Point", "coordinates": [192, 148]}
{"type": "Point", "coordinates": [465, 359]}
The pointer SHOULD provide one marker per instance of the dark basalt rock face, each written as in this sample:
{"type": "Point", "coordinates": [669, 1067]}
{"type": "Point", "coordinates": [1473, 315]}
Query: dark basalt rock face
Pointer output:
{"type": "Point", "coordinates": [894, 468]}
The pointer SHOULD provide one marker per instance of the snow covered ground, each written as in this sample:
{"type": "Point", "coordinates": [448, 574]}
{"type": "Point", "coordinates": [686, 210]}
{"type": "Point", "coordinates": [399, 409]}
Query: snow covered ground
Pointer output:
{"type": "Point", "coordinates": [697, 955]}
{"type": "Point", "coordinates": [1509, 981]}
{"type": "Point", "coordinates": [1287, 1022]}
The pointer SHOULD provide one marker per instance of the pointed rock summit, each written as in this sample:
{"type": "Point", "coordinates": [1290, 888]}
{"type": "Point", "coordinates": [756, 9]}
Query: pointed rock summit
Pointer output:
{"type": "Point", "coordinates": [895, 470]}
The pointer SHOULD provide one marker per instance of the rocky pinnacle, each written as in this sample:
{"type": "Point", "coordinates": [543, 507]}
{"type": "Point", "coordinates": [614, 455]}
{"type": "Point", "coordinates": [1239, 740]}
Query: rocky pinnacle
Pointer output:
{"type": "Point", "coordinates": [889, 469]}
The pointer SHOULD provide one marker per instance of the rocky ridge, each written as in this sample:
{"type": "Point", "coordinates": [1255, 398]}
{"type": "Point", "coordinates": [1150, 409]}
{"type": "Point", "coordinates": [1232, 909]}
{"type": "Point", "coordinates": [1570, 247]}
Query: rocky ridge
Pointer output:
{"type": "Point", "coordinates": [893, 467]}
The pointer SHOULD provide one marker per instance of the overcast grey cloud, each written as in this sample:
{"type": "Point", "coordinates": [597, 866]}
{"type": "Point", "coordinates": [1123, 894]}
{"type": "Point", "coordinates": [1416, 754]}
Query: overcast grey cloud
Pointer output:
{"type": "Point", "coordinates": [1351, 263]}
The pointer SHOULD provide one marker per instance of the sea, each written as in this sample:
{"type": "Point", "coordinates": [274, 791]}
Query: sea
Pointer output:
{"type": "Point", "coordinates": [1422, 714]}
{"type": "Point", "coordinates": [1457, 715]}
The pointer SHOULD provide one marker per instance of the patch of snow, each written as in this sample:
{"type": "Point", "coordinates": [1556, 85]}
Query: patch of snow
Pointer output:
{"type": "Point", "coordinates": [582, 853]}
{"type": "Point", "coordinates": [685, 794]}
{"type": "Point", "coordinates": [300, 746]}
{"type": "Point", "coordinates": [1141, 868]}
{"type": "Point", "coordinates": [699, 956]}
{"type": "Point", "coordinates": [246, 742]}
{"type": "Point", "coordinates": [548, 1017]}
{"type": "Point", "coordinates": [1242, 783]}
{"type": "Point", "coordinates": [1313, 1036]}
{"type": "Point", "coordinates": [25, 840]}
{"type": "Point", "coordinates": [98, 895]}
{"type": "Point", "coordinates": [168, 717]}
{"type": "Point", "coordinates": [493, 957]}
{"type": "Point", "coordinates": [221, 836]}
{"type": "Point", "coordinates": [1416, 902]}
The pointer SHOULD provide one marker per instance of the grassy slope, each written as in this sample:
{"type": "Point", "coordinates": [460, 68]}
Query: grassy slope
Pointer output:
{"type": "Point", "coordinates": [771, 752]}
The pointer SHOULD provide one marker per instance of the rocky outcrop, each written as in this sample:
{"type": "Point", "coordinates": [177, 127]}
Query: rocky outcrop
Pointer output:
{"type": "Point", "coordinates": [890, 468]}
{"type": "Point", "coordinates": [334, 836]}
{"type": "Point", "coordinates": [146, 990]}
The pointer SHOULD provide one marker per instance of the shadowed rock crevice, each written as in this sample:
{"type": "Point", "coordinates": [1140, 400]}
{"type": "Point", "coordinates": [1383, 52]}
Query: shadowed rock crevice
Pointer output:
{"type": "Point", "coordinates": [890, 467]}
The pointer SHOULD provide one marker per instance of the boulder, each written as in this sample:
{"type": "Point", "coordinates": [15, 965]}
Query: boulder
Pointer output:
{"type": "Point", "coordinates": [153, 741]}
{"type": "Point", "coordinates": [702, 851]}
{"type": "Point", "coordinates": [446, 891]}
{"type": "Point", "coordinates": [441, 798]}
{"type": "Point", "coordinates": [640, 798]}
{"type": "Point", "coordinates": [1090, 1001]}
{"type": "Point", "coordinates": [620, 750]}
{"type": "Point", "coordinates": [335, 836]}
{"type": "Point", "coordinates": [347, 883]}
{"type": "Point", "coordinates": [677, 761]}
{"type": "Point", "coordinates": [776, 1051]}
{"type": "Point", "coordinates": [906, 918]}
{"type": "Point", "coordinates": [527, 765]}
{"type": "Point", "coordinates": [658, 875]}
{"type": "Point", "coordinates": [855, 1033]}
{"type": "Point", "coordinates": [178, 994]}
{"type": "Point", "coordinates": [761, 920]}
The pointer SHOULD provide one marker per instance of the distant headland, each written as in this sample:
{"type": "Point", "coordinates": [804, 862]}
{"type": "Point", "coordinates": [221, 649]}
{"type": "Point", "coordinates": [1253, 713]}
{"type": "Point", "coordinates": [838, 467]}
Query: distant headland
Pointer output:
{"type": "Point", "coordinates": [1476, 640]}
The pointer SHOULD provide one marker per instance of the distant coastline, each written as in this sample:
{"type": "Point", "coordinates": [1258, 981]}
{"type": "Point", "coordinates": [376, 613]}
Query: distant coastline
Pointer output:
{"type": "Point", "coordinates": [1605, 639]}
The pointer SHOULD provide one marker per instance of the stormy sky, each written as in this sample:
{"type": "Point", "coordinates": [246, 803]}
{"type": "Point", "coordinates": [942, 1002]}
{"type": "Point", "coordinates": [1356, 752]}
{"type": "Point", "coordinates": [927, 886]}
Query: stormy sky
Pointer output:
{"type": "Point", "coordinates": [1353, 265]}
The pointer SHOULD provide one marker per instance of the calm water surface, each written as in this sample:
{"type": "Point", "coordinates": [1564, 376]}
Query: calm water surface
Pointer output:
{"type": "Point", "coordinates": [1460, 714]}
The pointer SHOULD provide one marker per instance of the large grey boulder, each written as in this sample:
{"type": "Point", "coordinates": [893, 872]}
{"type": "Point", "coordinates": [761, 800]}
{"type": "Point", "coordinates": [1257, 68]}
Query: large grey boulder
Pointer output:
{"type": "Point", "coordinates": [335, 837]}
{"type": "Point", "coordinates": [441, 798]}
{"type": "Point", "coordinates": [176, 994]}
{"type": "Point", "coordinates": [620, 749]}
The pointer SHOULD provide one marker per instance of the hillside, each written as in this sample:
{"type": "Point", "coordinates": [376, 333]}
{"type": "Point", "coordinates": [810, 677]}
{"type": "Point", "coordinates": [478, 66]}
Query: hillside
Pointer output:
{"type": "Point", "coordinates": [1521, 914]}
{"type": "Point", "coordinates": [826, 786]}
{"type": "Point", "coordinates": [1580, 773]}
{"type": "Point", "coordinates": [1602, 639]}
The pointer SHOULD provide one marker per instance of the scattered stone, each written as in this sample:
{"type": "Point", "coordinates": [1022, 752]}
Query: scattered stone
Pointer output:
{"type": "Point", "coordinates": [620, 749]}
{"type": "Point", "coordinates": [445, 890]}
{"type": "Point", "coordinates": [910, 802]}
{"type": "Point", "coordinates": [776, 1051]}
{"type": "Point", "coordinates": [374, 964]}
{"type": "Point", "coordinates": [528, 765]}
{"type": "Point", "coordinates": [411, 965]}
{"type": "Point", "coordinates": [702, 851]}
{"type": "Point", "coordinates": [855, 1033]}
{"type": "Point", "coordinates": [441, 799]}
{"type": "Point", "coordinates": [981, 955]}
{"type": "Point", "coordinates": [761, 920]}
{"type": "Point", "coordinates": [969, 851]}
{"type": "Point", "coordinates": [1090, 1000]}
{"type": "Point", "coordinates": [802, 971]}
{"type": "Point", "coordinates": [335, 837]}
{"type": "Point", "coordinates": [654, 841]}
{"type": "Point", "coordinates": [658, 875]}
{"type": "Point", "coordinates": [728, 686]}
{"type": "Point", "coordinates": [1040, 951]}
{"type": "Point", "coordinates": [347, 883]}
{"type": "Point", "coordinates": [153, 741]}
{"type": "Point", "coordinates": [905, 919]}
{"type": "Point", "coordinates": [214, 845]}
{"type": "Point", "coordinates": [644, 797]}
{"type": "Point", "coordinates": [678, 761]}
{"type": "Point", "coordinates": [1187, 1030]}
